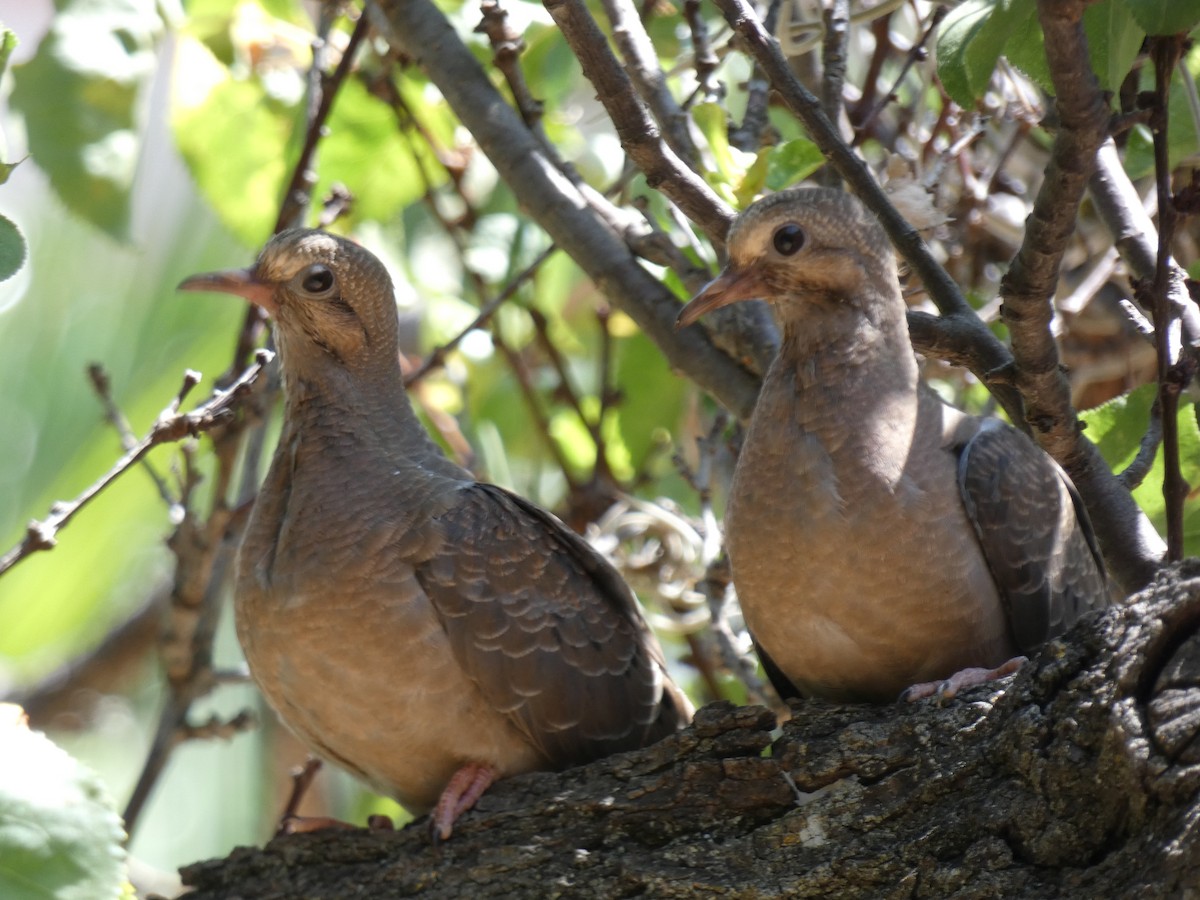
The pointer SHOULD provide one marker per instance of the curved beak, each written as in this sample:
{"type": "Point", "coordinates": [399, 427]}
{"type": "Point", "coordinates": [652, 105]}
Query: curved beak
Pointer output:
{"type": "Point", "coordinates": [731, 286]}
{"type": "Point", "coordinates": [241, 282]}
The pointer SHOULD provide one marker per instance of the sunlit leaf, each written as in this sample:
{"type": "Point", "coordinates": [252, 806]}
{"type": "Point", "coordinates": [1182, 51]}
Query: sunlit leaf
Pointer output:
{"type": "Point", "coordinates": [233, 138]}
{"type": "Point", "coordinates": [94, 62]}
{"type": "Point", "coordinates": [8, 43]}
{"type": "Point", "coordinates": [1117, 428]}
{"type": "Point", "coordinates": [60, 836]}
{"type": "Point", "coordinates": [792, 162]}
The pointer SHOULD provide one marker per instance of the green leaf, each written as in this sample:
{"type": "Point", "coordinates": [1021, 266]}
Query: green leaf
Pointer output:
{"type": "Point", "coordinates": [792, 162]}
{"type": "Point", "coordinates": [80, 96]}
{"type": "Point", "coordinates": [1114, 41]}
{"type": "Point", "coordinates": [1165, 16]}
{"type": "Point", "coordinates": [12, 248]}
{"type": "Point", "coordinates": [360, 127]}
{"type": "Point", "coordinates": [971, 40]}
{"type": "Point", "coordinates": [60, 836]}
{"type": "Point", "coordinates": [8, 43]}
{"type": "Point", "coordinates": [234, 139]}
{"type": "Point", "coordinates": [1117, 427]}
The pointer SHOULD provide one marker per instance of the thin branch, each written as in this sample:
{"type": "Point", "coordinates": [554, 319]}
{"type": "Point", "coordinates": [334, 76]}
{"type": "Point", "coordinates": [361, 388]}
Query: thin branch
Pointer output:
{"type": "Point", "coordinates": [171, 426]}
{"type": "Point", "coordinates": [1137, 470]}
{"type": "Point", "coordinates": [1166, 52]}
{"type": "Point", "coordinates": [437, 357]}
{"type": "Point", "coordinates": [833, 71]}
{"type": "Point", "coordinates": [641, 64]}
{"type": "Point", "coordinates": [704, 59]}
{"type": "Point", "coordinates": [639, 135]}
{"type": "Point", "coordinates": [321, 95]}
{"type": "Point", "coordinates": [103, 388]}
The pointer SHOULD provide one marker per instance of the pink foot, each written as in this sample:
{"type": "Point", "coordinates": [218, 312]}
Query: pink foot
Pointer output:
{"type": "Point", "coordinates": [949, 688]}
{"type": "Point", "coordinates": [465, 787]}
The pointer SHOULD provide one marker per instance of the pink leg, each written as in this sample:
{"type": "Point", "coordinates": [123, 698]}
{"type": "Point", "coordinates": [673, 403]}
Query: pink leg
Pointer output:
{"type": "Point", "coordinates": [949, 688]}
{"type": "Point", "coordinates": [466, 786]}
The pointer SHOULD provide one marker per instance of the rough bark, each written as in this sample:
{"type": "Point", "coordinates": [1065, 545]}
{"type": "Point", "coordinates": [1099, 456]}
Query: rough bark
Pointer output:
{"type": "Point", "coordinates": [1078, 778]}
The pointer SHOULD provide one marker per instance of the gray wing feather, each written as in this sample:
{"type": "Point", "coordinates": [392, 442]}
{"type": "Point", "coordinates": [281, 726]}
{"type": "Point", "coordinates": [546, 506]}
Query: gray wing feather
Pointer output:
{"type": "Point", "coordinates": [547, 629]}
{"type": "Point", "coordinates": [1034, 531]}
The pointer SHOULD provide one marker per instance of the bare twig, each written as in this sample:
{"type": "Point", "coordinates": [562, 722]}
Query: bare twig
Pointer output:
{"type": "Point", "coordinates": [171, 426]}
{"type": "Point", "coordinates": [1137, 470]}
{"type": "Point", "coordinates": [103, 388]}
{"type": "Point", "coordinates": [488, 309]}
{"type": "Point", "coordinates": [641, 62]}
{"type": "Point", "coordinates": [639, 135]}
{"type": "Point", "coordinates": [833, 71]}
{"type": "Point", "coordinates": [1166, 52]}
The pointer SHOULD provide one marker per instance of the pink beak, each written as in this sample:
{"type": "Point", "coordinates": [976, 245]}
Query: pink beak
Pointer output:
{"type": "Point", "coordinates": [731, 286]}
{"type": "Point", "coordinates": [241, 282]}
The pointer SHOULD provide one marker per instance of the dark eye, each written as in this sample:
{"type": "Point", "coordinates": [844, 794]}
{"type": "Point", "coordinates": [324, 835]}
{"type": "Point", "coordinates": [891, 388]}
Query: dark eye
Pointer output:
{"type": "Point", "coordinates": [788, 239]}
{"type": "Point", "coordinates": [317, 280]}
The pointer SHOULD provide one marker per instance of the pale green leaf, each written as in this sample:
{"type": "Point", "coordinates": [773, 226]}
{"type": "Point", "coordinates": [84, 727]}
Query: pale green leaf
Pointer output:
{"type": "Point", "coordinates": [60, 836]}
{"type": "Point", "coordinates": [971, 40]}
{"type": "Point", "coordinates": [79, 96]}
{"type": "Point", "coordinates": [792, 162]}
{"type": "Point", "coordinates": [234, 139]}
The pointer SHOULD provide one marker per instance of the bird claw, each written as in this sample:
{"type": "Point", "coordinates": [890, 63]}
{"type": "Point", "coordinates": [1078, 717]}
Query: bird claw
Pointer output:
{"type": "Point", "coordinates": [947, 689]}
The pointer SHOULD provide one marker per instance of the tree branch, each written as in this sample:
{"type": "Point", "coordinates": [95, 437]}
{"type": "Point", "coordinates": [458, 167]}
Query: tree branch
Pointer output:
{"type": "Point", "coordinates": [1077, 779]}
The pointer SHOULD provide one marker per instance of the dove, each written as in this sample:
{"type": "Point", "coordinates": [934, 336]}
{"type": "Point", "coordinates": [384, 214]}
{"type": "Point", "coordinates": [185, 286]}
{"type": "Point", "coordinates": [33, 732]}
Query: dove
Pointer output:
{"type": "Point", "coordinates": [881, 541]}
{"type": "Point", "coordinates": [427, 632]}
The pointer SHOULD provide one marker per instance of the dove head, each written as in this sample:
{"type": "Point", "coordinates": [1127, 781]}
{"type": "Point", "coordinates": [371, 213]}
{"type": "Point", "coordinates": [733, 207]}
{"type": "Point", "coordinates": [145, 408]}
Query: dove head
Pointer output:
{"type": "Point", "coordinates": [811, 252]}
{"type": "Point", "coordinates": [332, 300]}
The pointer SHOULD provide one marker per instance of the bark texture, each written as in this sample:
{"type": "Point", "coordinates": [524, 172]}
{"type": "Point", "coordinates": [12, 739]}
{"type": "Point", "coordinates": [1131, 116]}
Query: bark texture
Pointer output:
{"type": "Point", "coordinates": [1078, 778]}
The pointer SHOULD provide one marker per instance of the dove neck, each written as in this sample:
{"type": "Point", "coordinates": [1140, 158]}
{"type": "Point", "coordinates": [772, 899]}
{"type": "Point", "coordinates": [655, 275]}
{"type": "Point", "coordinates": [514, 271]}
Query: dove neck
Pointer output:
{"type": "Point", "coordinates": [847, 356]}
{"type": "Point", "coordinates": [368, 406]}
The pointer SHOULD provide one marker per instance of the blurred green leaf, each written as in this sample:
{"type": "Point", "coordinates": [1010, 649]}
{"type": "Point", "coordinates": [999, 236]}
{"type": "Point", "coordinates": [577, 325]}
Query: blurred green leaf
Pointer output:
{"type": "Point", "coordinates": [12, 248]}
{"type": "Point", "coordinates": [60, 836]}
{"type": "Point", "coordinates": [792, 162]}
{"type": "Point", "coordinates": [8, 43]}
{"type": "Point", "coordinates": [1165, 16]}
{"type": "Point", "coordinates": [728, 173]}
{"type": "Point", "coordinates": [971, 40]}
{"type": "Point", "coordinates": [94, 63]}
{"type": "Point", "coordinates": [1114, 41]}
{"type": "Point", "coordinates": [233, 137]}
{"type": "Point", "coordinates": [1117, 427]}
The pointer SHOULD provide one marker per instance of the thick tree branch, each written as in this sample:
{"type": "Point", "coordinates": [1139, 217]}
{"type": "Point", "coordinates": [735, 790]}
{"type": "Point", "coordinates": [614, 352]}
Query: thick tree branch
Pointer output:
{"type": "Point", "coordinates": [641, 63]}
{"type": "Point", "coordinates": [1077, 779]}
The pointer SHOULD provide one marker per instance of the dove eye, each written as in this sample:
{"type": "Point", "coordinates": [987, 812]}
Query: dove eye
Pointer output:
{"type": "Point", "coordinates": [788, 239]}
{"type": "Point", "coordinates": [316, 279]}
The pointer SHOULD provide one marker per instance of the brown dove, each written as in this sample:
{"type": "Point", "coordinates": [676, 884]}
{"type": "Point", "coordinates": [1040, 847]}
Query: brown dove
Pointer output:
{"type": "Point", "coordinates": [425, 631]}
{"type": "Point", "coordinates": [879, 538]}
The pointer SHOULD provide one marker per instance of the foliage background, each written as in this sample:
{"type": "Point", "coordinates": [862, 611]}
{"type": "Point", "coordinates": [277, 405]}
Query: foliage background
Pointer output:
{"type": "Point", "coordinates": [161, 137]}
